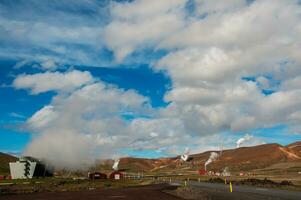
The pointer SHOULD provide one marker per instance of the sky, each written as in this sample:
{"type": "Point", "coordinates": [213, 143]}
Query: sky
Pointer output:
{"type": "Point", "coordinates": [96, 79]}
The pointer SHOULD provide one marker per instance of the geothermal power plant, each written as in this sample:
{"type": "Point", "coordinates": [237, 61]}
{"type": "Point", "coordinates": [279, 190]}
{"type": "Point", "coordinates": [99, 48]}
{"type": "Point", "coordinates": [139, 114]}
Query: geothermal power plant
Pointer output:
{"type": "Point", "coordinates": [225, 170]}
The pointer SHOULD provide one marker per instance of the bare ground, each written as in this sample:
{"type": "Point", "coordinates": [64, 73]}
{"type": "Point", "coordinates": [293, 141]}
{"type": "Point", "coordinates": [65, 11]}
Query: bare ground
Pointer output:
{"type": "Point", "coordinates": [132, 193]}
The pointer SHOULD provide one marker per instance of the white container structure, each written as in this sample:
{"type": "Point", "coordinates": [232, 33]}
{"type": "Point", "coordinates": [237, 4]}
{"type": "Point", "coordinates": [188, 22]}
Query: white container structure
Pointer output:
{"type": "Point", "coordinates": [27, 167]}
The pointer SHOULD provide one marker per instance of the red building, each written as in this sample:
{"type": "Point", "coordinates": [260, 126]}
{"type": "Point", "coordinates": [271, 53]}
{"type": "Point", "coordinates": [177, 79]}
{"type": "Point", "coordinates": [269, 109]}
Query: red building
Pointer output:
{"type": "Point", "coordinates": [116, 175]}
{"type": "Point", "coordinates": [97, 175]}
{"type": "Point", "coordinates": [202, 172]}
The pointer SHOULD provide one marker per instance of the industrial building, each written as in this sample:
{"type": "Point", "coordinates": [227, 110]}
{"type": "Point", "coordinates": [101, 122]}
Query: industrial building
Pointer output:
{"type": "Point", "coordinates": [96, 175]}
{"type": "Point", "coordinates": [28, 167]}
{"type": "Point", "coordinates": [116, 175]}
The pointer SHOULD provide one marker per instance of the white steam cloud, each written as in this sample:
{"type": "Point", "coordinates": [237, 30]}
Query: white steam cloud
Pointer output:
{"type": "Point", "coordinates": [185, 156]}
{"type": "Point", "coordinates": [213, 156]}
{"type": "Point", "coordinates": [244, 139]}
{"type": "Point", "coordinates": [62, 150]}
{"type": "Point", "coordinates": [78, 127]}
{"type": "Point", "coordinates": [116, 163]}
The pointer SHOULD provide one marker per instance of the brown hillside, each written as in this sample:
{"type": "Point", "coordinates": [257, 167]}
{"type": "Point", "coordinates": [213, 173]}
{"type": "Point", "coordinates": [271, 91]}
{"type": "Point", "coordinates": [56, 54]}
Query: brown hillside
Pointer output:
{"type": "Point", "coordinates": [244, 158]}
{"type": "Point", "coordinates": [295, 147]}
{"type": "Point", "coordinates": [248, 158]}
{"type": "Point", "coordinates": [4, 163]}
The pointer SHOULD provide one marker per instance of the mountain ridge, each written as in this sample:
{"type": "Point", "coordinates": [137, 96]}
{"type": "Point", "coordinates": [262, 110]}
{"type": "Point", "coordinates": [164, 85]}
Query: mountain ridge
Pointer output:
{"type": "Point", "coordinates": [239, 159]}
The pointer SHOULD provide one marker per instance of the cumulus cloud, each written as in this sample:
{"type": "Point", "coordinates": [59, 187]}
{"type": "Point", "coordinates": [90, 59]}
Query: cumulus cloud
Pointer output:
{"type": "Point", "coordinates": [88, 124]}
{"type": "Point", "coordinates": [52, 81]}
{"type": "Point", "coordinates": [42, 117]}
{"type": "Point", "coordinates": [208, 57]}
{"type": "Point", "coordinates": [208, 68]}
{"type": "Point", "coordinates": [143, 23]}
{"type": "Point", "coordinates": [202, 65]}
{"type": "Point", "coordinates": [213, 6]}
{"type": "Point", "coordinates": [292, 84]}
{"type": "Point", "coordinates": [49, 64]}
{"type": "Point", "coordinates": [84, 124]}
{"type": "Point", "coordinates": [68, 32]}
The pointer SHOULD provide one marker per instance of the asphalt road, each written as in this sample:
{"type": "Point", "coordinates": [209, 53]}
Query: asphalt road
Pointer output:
{"type": "Point", "coordinates": [222, 191]}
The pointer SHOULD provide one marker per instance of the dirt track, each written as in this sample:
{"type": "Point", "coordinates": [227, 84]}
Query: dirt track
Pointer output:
{"type": "Point", "coordinates": [133, 193]}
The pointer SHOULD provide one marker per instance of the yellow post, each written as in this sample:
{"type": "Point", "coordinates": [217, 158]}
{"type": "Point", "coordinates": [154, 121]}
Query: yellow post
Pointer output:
{"type": "Point", "coordinates": [231, 187]}
{"type": "Point", "coordinates": [225, 181]}
{"type": "Point", "coordinates": [185, 183]}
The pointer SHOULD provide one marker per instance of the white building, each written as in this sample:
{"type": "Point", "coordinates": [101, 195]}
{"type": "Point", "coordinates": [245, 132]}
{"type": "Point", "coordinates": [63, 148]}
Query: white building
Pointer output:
{"type": "Point", "coordinates": [27, 167]}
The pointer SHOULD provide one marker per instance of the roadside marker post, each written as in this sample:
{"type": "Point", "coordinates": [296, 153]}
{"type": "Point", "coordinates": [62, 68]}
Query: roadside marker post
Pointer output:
{"type": "Point", "coordinates": [185, 183]}
{"type": "Point", "coordinates": [225, 181]}
{"type": "Point", "coordinates": [199, 179]}
{"type": "Point", "coordinates": [231, 187]}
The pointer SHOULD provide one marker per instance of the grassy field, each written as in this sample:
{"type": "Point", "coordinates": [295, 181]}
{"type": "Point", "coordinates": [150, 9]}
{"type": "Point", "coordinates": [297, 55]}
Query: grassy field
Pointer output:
{"type": "Point", "coordinates": [69, 184]}
{"type": "Point", "coordinates": [292, 183]}
{"type": "Point", "coordinates": [58, 184]}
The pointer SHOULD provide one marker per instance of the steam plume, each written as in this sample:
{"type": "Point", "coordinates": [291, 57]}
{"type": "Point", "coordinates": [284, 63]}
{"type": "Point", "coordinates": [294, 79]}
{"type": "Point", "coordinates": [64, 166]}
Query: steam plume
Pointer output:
{"type": "Point", "coordinates": [213, 157]}
{"type": "Point", "coordinates": [185, 156]}
{"type": "Point", "coordinates": [116, 163]}
{"type": "Point", "coordinates": [226, 172]}
{"type": "Point", "coordinates": [242, 140]}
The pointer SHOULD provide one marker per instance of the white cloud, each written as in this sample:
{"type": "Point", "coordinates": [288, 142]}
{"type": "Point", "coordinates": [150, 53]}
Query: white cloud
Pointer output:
{"type": "Point", "coordinates": [42, 117]}
{"type": "Point", "coordinates": [263, 82]}
{"type": "Point", "coordinates": [43, 82]}
{"type": "Point", "coordinates": [69, 32]}
{"type": "Point", "coordinates": [202, 65]}
{"type": "Point", "coordinates": [213, 6]}
{"type": "Point", "coordinates": [87, 124]}
{"type": "Point", "coordinates": [16, 115]}
{"type": "Point", "coordinates": [49, 64]}
{"type": "Point", "coordinates": [292, 84]}
{"type": "Point", "coordinates": [209, 58]}
{"type": "Point", "coordinates": [142, 23]}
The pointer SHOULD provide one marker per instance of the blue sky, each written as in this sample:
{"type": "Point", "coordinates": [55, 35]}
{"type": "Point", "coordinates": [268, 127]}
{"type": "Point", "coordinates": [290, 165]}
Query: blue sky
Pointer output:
{"type": "Point", "coordinates": [18, 105]}
{"type": "Point", "coordinates": [92, 77]}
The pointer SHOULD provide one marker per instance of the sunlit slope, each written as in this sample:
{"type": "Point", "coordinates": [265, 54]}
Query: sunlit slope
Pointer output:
{"type": "Point", "coordinates": [239, 159]}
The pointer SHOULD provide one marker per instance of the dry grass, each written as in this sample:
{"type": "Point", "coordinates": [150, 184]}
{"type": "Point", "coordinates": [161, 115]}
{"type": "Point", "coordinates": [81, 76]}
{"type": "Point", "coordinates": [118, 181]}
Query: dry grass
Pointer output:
{"type": "Point", "coordinates": [57, 184]}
